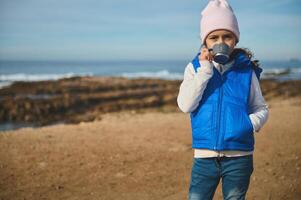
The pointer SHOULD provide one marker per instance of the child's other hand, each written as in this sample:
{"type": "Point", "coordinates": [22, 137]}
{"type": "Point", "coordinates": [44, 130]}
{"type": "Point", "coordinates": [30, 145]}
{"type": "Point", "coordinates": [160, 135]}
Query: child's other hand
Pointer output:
{"type": "Point", "coordinates": [205, 55]}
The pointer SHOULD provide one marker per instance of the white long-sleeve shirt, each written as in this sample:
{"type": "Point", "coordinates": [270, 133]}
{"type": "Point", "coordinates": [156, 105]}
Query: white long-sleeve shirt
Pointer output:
{"type": "Point", "coordinates": [192, 89]}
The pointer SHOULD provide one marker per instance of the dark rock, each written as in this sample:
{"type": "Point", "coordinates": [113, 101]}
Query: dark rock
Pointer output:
{"type": "Point", "coordinates": [83, 99]}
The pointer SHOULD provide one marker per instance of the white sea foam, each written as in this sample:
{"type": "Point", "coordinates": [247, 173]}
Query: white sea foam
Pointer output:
{"type": "Point", "coordinates": [8, 79]}
{"type": "Point", "coordinates": [162, 74]}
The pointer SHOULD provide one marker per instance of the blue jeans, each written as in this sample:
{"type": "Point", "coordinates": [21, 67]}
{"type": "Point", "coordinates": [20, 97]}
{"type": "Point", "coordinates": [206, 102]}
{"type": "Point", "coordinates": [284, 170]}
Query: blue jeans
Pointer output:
{"type": "Point", "coordinates": [206, 173]}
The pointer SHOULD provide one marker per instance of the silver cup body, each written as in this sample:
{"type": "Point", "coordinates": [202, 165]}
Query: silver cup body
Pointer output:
{"type": "Point", "coordinates": [221, 53]}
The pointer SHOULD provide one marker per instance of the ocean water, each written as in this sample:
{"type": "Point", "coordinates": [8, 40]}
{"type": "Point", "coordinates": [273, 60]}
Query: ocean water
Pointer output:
{"type": "Point", "coordinates": [11, 71]}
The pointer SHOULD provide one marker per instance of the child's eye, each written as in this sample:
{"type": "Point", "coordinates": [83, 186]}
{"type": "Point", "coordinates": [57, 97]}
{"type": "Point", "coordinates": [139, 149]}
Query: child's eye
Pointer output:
{"type": "Point", "coordinates": [228, 36]}
{"type": "Point", "coordinates": [213, 38]}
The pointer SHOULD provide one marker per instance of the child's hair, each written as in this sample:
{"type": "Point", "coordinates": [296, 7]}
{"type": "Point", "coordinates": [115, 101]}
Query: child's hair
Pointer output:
{"type": "Point", "coordinates": [246, 52]}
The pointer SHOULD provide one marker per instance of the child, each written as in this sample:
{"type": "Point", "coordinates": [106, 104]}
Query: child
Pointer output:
{"type": "Point", "coordinates": [226, 108]}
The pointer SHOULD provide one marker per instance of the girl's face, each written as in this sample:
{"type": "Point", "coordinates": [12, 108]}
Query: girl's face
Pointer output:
{"type": "Point", "coordinates": [221, 36]}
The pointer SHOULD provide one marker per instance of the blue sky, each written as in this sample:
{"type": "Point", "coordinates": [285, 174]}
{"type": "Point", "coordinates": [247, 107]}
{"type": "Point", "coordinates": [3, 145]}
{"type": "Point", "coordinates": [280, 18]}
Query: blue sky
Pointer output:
{"type": "Point", "coordinates": [135, 29]}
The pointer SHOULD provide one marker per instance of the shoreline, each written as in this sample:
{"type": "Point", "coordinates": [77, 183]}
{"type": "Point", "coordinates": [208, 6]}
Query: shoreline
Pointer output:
{"type": "Point", "coordinates": [82, 99]}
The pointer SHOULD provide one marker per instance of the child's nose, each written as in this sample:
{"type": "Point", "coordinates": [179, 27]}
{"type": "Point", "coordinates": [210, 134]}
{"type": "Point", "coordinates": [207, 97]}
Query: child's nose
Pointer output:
{"type": "Point", "coordinates": [220, 40]}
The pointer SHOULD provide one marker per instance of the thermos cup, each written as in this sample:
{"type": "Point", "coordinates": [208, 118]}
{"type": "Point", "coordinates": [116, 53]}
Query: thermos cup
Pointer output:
{"type": "Point", "coordinates": [220, 52]}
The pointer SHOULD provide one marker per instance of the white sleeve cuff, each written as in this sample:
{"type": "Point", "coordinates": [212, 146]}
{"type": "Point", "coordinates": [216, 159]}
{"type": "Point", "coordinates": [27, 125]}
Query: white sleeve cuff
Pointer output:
{"type": "Point", "coordinates": [255, 122]}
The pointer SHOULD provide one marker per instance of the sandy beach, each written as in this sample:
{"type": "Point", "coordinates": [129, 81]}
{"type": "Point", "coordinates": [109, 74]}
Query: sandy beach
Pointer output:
{"type": "Point", "coordinates": [142, 154]}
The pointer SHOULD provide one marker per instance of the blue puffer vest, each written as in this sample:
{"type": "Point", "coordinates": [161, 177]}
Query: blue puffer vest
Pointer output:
{"type": "Point", "coordinates": [221, 120]}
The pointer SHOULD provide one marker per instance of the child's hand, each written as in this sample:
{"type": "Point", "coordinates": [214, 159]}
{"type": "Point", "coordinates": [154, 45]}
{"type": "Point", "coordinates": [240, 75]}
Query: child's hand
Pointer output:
{"type": "Point", "coordinates": [205, 55]}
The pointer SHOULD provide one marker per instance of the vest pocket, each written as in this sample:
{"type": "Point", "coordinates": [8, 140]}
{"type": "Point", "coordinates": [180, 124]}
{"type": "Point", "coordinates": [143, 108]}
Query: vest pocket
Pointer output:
{"type": "Point", "coordinates": [201, 122]}
{"type": "Point", "coordinates": [238, 126]}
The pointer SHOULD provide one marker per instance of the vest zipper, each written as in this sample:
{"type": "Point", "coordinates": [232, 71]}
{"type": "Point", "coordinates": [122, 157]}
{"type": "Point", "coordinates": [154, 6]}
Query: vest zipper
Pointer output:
{"type": "Point", "coordinates": [219, 111]}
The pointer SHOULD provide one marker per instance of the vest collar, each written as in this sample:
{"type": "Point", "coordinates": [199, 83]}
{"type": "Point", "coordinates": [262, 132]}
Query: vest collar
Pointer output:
{"type": "Point", "coordinates": [223, 67]}
{"type": "Point", "coordinates": [241, 59]}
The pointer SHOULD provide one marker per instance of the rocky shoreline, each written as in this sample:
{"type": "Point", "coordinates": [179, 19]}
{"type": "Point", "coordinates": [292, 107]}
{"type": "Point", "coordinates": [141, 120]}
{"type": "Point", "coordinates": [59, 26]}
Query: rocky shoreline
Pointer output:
{"type": "Point", "coordinates": [83, 99]}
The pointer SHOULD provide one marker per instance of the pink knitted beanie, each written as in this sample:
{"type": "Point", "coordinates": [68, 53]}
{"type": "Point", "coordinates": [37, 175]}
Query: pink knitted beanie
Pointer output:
{"type": "Point", "coordinates": [218, 15]}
